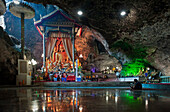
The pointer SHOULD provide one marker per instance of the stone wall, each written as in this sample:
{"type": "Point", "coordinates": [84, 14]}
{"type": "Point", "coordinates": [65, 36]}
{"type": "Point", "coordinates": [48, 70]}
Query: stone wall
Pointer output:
{"type": "Point", "coordinates": [103, 62]}
{"type": "Point", "coordinates": [157, 38]}
{"type": "Point", "coordinates": [8, 60]}
{"type": "Point", "coordinates": [91, 49]}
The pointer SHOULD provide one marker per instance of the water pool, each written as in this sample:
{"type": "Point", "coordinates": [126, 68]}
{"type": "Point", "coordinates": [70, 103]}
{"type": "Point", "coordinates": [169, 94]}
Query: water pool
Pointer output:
{"type": "Point", "coordinates": [83, 100]}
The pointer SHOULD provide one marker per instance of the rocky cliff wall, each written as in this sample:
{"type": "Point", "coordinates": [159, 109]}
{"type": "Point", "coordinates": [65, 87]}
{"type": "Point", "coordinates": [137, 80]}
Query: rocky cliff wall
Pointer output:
{"type": "Point", "coordinates": [157, 38]}
{"type": "Point", "coordinates": [8, 60]}
{"type": "Point", "coordinates": [9, 56]}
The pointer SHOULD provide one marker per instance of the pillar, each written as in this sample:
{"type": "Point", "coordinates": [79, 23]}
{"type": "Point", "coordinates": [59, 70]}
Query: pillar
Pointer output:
{"type": "Point", "coordinates": [76, 69]}
{"type": "Point", "coordinates": [73, 46]}
{"type": "Point", "coordinates": [22, 36]}
{"type": "Point", "coordinates": [43, 49]}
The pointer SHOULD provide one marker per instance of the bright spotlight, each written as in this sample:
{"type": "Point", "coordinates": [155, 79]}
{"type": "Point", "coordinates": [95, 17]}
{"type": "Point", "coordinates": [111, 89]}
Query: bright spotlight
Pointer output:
{"type": "Point", "coordinates": [81, 56]}
{"type": "Point", "coordinates": [16, 2]}
{"type": "Point", "coordinates": [123, 13]}
{"type": "Point", "coordinates": [148, 68]}
{"type": "Point", "coordinates": [42, 55]}
{"type": "Point", "coordinates": [33, 62]}
{"type": "Point", "coordinates": [80, 13]}
{"type": "Point", "coordinates": [29, 62]}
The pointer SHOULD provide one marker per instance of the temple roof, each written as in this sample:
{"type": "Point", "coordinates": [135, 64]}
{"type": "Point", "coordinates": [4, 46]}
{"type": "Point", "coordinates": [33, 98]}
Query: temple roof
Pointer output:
{"type": "Point", "coordinates": [55, 18]}
{"type": "Point", "coordinates": [56, 21]}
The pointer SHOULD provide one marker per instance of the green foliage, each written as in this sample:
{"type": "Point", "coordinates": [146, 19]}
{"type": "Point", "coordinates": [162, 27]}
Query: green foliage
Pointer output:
{"type": "Point", "coordinates": [121, 44]}
{"type": "Point", "coordinates": [133, 52]}
{"type": "Point", "coordinates": [136, 53]}
{"type": "Point", "coordinates": [134, 67]}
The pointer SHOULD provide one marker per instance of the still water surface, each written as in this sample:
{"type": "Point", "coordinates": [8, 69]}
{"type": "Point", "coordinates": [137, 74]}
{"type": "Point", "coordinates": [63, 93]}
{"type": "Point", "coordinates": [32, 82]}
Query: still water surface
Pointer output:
{"type": "Point", "coordinates": [83, 100]}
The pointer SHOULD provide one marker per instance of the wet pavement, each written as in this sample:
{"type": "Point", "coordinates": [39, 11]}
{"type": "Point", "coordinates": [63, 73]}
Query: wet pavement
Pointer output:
{"type": "Point", "coordinates": [83, 100]}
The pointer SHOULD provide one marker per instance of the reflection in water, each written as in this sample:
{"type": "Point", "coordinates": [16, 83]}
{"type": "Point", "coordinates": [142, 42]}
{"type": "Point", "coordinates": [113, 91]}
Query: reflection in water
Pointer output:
{"type": "Point", "coordinates": [146, 104]}
{"type": "Point", "coordinates": [116, 99]}
{"type": "Point", "coordinates": [107, 97]}
{"type": "Point", "coordinates": [82, 100]}
{"type": "Point", "coordinates": [81, 108]}
{"type": "Point", "coordinates": [137, 94]}
{"type": "Point", "coordinates": [34, 105]}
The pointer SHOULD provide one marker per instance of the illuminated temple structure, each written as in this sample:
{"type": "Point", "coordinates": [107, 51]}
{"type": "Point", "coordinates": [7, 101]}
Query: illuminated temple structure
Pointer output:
{"type": "Point", "coordinates": [57, 31]}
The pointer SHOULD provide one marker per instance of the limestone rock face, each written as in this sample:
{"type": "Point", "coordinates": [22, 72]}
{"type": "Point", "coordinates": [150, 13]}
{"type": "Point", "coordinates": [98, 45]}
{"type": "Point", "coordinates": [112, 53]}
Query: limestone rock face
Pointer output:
{"type": "Point", "coordinates": [8, 60]}
{"type": "Point", "coordinates": [156, 36]}
{"type": "Point", "coordinates": [100, 63]}
{"type": "Point", "coordinates": [104, 61]}
{"type": "Point", "coordinates": [161, 61]}
{"type": "Point", "coordinates": [8, 63]}
{"type": "Point", "coordinates": [85, 45]}
{"type": "Point", "coordinates": [9, 56]}
{"type": "Point", "coordinates": [95, 57]}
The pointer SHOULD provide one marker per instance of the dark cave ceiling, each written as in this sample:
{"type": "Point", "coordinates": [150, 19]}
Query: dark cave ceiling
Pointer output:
{"type": "Point", "coordinates": [104, 15]}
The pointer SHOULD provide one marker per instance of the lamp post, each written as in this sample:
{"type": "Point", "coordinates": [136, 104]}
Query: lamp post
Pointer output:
{"type": "Point", "coordinates": [81, 56]}
{"type": "Point", "coordinates": [76, 69]}
{"type": "Point", "coordinates": [81, 59]}
{"type": "Point", "coordinates": [22, 11]}
{"type": "Point", "coordinates": [42, 28]}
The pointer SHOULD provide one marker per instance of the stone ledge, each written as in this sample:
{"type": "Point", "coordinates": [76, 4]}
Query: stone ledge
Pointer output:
{"type": "Point", "coordinates": [83, 84]}
{"type": "Point", "coordinates": [161, 86]}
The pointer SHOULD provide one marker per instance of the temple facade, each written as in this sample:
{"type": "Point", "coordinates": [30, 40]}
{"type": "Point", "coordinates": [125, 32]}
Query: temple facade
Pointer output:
{"type": "Point", "coordinates": [57, 31]}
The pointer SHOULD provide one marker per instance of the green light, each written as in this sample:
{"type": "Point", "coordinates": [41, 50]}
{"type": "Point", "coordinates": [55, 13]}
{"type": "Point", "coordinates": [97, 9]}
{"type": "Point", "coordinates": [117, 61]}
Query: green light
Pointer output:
{"type": "Point", "coordinates": [134, 67]}
{"type": "Point", "coordinates": [136, 53]}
